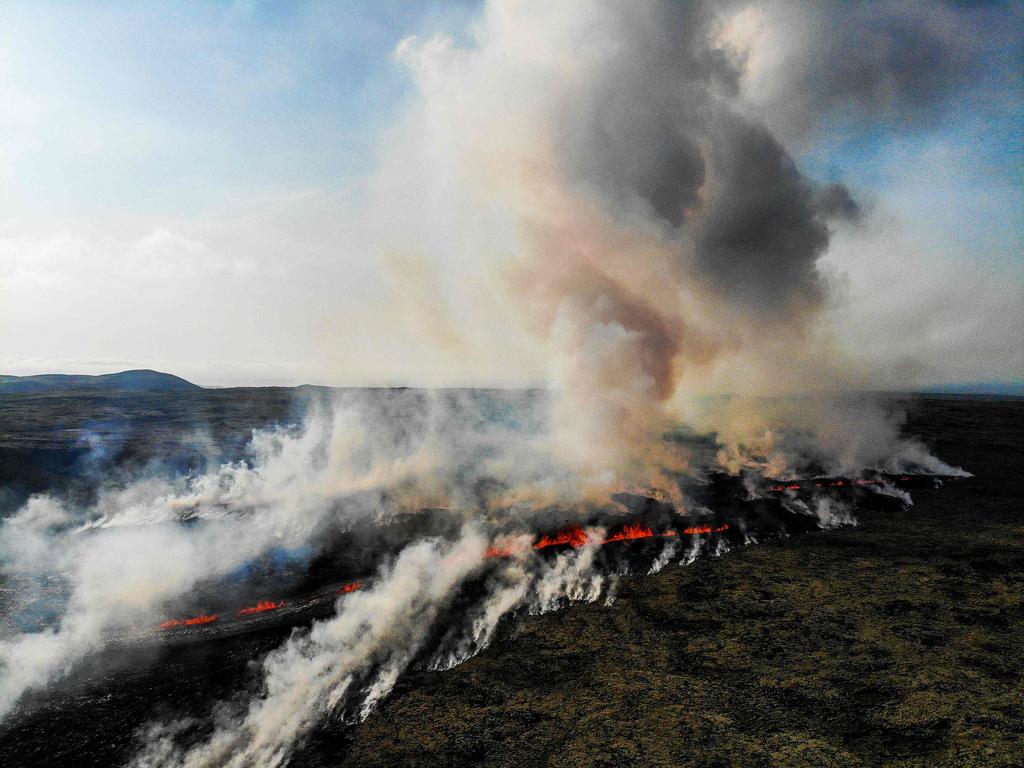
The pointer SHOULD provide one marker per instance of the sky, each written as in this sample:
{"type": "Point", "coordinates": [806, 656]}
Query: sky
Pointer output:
{"type": "Point", "coordinates": [210, 189]}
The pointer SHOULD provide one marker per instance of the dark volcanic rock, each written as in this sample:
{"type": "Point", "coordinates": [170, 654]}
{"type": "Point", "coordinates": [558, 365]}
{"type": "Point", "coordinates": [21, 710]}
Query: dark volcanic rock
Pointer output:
{"type": "Point", "coordinates": [899, 642]}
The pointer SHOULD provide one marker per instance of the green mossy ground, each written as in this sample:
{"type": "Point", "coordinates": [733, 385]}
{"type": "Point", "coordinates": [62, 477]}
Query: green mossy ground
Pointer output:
{"type": "Point", "coordinates": [899, 642]}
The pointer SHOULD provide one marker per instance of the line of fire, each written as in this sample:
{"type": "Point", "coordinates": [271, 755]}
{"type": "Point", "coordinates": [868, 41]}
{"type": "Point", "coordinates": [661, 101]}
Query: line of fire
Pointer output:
{"type": "Point", "coordinates": [722, 508]}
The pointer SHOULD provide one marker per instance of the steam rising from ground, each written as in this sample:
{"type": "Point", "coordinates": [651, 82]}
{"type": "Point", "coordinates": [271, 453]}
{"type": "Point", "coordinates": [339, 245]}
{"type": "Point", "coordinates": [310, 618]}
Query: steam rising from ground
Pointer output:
{"type": "Point", "coordinates": [346, 665]}
{"type": "Point", "coordinates": [379, 632]}
{"type": "Point", "coordinates": [107, 569]}
{"type": "Point", "coordinates": [351, 464]}
{"type": "Point", "coordinates": [124, 557]}
{"type": "Point", "coordinates": [597, 176]}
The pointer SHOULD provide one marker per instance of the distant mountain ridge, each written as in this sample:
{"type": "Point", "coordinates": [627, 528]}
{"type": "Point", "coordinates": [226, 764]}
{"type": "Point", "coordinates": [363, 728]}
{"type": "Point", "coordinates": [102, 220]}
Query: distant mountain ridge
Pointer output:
{"type": "Point", "coordinates": [130, 381]}
{"type": "Point", "coordinates": [1003, 388]}
{"type": "Point", "coordinates": [147, 380]}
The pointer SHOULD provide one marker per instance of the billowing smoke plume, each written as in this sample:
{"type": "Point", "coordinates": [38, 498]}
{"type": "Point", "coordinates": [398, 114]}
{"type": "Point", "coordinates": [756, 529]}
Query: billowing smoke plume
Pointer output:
{"type": "Point", "coordinates": [866, 63]}
{"type": "Point", "coordinates": [645, 222]}
{"type": "Point", "coordinates": [598, 175]}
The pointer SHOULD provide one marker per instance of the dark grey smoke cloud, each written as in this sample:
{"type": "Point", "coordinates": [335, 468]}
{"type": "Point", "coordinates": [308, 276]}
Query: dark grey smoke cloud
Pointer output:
{"type": "Point", "coordinates": [762, 229]}
{"type": "Point", "coordinates": [634, 134]}
{"type": "Point", "coordinates": [659, 129]}
{"type": "Point", "coordinates": [663, 237]}
{"type": "Point", "coordinates": [659, 225]}
{"type": "Point", "coordinates": [892, 61]}
{"type": "Point", "coordinates": [665, 128]}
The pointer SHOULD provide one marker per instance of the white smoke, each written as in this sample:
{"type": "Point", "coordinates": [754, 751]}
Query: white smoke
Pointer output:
{"type": "Point", "coordinates": [353, 660]}
{"type": "Point", "coordinates": [693, 551]}
{"type": "Point", "coordinates": [313, 674]}
{"type": "Point", "coordinates": [586, 176]}
{"type": "Point", "coordinates": [502, 599]}
{"type": "Point", "coordinates": [837, 435]}
{"type": "Point", "coordinates": [666, 555]}
{"type": "Point", "coordinates": [828, 512]}
{"type": "Point", "coordinates": [111, 567]}
{"type": "Point", "coordinates": [601, 178]}
{"type": "Point", "coordinates": [571, 577]}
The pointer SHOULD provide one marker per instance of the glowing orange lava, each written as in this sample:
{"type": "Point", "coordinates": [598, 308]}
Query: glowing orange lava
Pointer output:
{"type": "Point", "coordinates": [778, 488]}
{"type": "Point", "coordinates": [706, 529]}
{"type": "Point", "coordinates": [260, 607]}
{"type": "Point", "coordinates": [575, 536]}
{"type": "Point", "coordinates": [837, 483]}
{"type": "Point", "coordinates": [195, 620]}
{"type": "Point", "coordinates": [572, 535]}
{"type": "Point", "coordinates": [631, 531]}
{"type": "Point", "coordinates": [496, 551]}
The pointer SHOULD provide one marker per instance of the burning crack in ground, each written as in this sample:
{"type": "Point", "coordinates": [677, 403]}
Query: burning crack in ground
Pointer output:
{"type": "Point", "coordinates": [576, 536]}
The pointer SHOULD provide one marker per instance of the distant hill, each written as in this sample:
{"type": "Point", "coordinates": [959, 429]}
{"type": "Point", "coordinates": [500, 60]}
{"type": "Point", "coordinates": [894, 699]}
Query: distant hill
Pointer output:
{"type": "Point", "coordinates": [129, 381]}
{"type": "Point", "coordinates": [1004, 388]}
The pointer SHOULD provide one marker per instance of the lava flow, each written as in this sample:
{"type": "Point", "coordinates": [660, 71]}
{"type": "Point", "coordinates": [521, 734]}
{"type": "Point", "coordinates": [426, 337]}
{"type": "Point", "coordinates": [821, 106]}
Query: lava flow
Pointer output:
{"type": "Point", "coordinates": [631, 531]}
{"type": "Point", "coordinates": [572, 535]}
{"type": "Point", "coordinates": [496, 551]}
{"type": "Point", "coordinates": [261, 606]}
{"type": "Point", "coordinates": [705, 529]}
{"type": "Point", "coordinates": [837, 482]}
{"type": "Point", "coordinates": [191, 622]}
{"type": "Point", "coordinates": [575, 536]}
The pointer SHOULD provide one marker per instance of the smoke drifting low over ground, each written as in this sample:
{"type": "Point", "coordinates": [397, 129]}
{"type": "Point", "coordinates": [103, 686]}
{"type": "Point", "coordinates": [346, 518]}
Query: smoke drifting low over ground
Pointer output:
{"type": "Point", "coordinates": [598, 192]}
{"type": "Point", "coordinates": [403, 524]}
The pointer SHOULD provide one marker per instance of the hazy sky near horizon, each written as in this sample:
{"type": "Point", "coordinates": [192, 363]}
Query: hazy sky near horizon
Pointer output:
{"type": "Point", "coordinates": [184, 186]}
